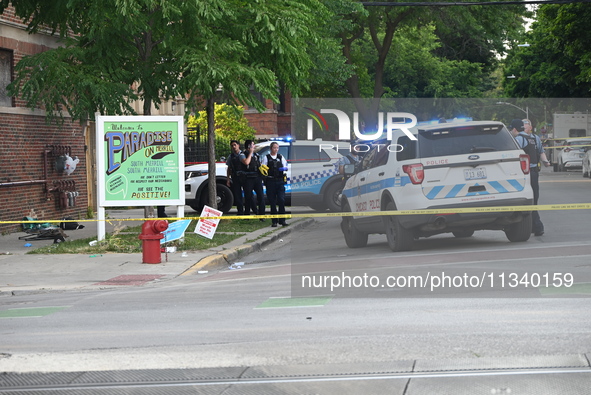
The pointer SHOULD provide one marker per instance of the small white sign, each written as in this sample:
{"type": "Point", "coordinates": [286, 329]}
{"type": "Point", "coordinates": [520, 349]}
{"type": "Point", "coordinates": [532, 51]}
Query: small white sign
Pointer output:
{"type": "Point", "coordinates": [207, 227]}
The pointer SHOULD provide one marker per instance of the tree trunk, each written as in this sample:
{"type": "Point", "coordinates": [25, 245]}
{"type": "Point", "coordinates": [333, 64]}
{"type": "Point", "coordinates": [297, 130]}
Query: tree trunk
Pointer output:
{"type": "Point", "coordinates": [211, 151]}
{"type": "Point", "coordinates": [148, 210]}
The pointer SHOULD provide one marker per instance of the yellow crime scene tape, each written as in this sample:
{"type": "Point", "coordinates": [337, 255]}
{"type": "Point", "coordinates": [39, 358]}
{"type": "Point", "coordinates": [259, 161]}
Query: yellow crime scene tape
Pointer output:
{"type": "Point", "coordinates": [540, 207]}
{"type": "Point", "coordinates": [568, 146]}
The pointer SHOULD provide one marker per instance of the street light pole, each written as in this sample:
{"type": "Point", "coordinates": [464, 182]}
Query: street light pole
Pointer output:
{"type": "Point", "coordinates": [526, 111]}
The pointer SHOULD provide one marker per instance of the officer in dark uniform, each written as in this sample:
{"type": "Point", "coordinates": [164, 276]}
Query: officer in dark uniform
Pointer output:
{"type": "Point", "coordinates": [234, 175]}
{"type": "Point", "coordinates": [252, 179]}
{"type": "Point", "coordinates": [275, 182]}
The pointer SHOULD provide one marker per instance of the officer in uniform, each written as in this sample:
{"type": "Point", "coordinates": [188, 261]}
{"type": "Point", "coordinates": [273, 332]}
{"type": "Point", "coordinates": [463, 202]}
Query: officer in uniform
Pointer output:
{"type": "Point", "coordinates": [532, 145]}
{"type": "Point", "coordinates": [275, 182]}
{"type": "Point", "coordinates": [252, 179]}
{"type": "Point", "coordinates": [233, 175]}
{"type": "Point", "coordinates": [352, 158]}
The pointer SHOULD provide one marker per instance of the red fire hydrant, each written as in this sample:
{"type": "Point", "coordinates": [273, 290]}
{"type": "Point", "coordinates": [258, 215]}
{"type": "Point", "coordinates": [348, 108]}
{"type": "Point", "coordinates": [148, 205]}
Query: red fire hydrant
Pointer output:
{"type": "Point", "coordinates": [151, 237]}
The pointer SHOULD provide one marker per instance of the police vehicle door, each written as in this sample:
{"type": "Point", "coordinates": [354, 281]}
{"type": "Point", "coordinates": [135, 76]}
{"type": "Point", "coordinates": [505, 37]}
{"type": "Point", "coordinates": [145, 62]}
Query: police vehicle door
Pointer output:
{"type": "Point", "coordinates": [356, 188]}
{"type": "Point", "coordinates": [310, 168]}
{"type": "Point", "coordinates": [375, 178]}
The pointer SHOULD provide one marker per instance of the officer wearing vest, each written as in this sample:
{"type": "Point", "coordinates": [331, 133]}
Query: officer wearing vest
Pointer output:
{"type": "Point", "coordinates": [252, 179]}
{"type": "Point", "coordinates": [532, 145]}
{"type": "Point", "coordinates": [352, 157]}
{"type": "Point", "coordinates": [233, 174]}
{"type": "Point", "coordinates": [275, 182]}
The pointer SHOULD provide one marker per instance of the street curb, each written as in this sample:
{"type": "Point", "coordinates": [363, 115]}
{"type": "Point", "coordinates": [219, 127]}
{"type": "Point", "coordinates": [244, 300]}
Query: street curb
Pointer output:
{"type": "Point", "coordinates": [224, 259]}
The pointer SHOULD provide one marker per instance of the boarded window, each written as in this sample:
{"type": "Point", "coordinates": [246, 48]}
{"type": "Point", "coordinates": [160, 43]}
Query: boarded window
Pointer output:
{"type": "Point", "coordinates": [5, 77]}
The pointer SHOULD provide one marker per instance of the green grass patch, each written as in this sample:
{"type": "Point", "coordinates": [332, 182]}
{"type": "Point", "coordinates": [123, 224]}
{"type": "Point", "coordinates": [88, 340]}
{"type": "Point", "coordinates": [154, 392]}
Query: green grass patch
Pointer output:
{"type": "Point", "coordinates": [125, 239]}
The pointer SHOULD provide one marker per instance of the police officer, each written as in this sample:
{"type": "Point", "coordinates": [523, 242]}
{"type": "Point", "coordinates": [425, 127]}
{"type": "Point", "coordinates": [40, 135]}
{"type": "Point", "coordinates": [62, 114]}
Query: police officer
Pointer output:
{"type": "Point", "coordinates": [516, 127]}
{"type": "Point", "coordinates": [252, 179]}
{"type": "Point", "coordinates": [352, 157]}
{"type": "Point", "coordinates": [275, 182]}
{"type": "Point", "coordinates": [234, 175]}
{"type": "Point", "coordinates": [532, 145]}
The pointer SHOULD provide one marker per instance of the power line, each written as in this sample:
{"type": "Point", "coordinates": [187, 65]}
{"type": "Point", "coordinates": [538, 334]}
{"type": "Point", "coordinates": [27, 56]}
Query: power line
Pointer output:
{"type": "Point", "coordinates": [467, 3]}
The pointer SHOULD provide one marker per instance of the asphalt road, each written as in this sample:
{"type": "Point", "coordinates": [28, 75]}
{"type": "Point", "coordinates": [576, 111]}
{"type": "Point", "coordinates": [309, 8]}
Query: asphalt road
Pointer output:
{"type": "Point", "coordinates": [373, 341]}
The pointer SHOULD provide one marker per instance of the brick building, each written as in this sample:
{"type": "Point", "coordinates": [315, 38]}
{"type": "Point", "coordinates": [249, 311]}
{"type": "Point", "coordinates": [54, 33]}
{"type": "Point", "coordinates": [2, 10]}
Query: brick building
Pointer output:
{"type": "Point", "coordinates": [276, 120]}
{"type": "Point", "coordinates": [30, 184]}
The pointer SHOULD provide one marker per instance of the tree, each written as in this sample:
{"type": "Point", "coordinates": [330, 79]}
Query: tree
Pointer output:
{"type": "Point", "coordinates": [557, 62]}
{"type": "Point", "coordinates": [229, 122]}
{"type": "Point", "coordinates": [474, 34]}
{"type": "Point", "coordinates": [117, 51]}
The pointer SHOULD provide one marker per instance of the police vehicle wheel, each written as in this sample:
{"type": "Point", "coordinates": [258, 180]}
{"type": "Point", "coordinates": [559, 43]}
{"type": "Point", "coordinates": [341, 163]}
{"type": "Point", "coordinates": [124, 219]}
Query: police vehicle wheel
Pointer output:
{"type": "Point", "coordinates": [318, 207]}
{"type": "Point", "coordinates": [332, 198]}
{"type": "Point", "coordinates": [463, 233]}
{"type": "Point", "coordinates": [399, 239]}
{"type": "Point", "coordinates": [353, 237]}
{"type": "Point", "coordinates": [520, 231]}
{"type": "Point", "coordinates": [225, 199]}
{"type": "Point", "coordinates": [196, 207]}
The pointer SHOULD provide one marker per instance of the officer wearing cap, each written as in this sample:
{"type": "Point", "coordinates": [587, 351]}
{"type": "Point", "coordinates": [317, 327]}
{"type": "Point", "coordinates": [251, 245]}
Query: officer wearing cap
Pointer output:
{"type": "Point", "coordinates": [531, 145]}
{"type": "Point", "coordinates": [516, 127]}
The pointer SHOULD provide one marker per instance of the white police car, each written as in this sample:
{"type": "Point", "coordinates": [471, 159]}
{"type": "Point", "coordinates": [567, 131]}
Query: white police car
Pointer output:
{"type": "Point", "coordinates": [312, 177]}
{"type": "Point", "coordinates": [461, 165]}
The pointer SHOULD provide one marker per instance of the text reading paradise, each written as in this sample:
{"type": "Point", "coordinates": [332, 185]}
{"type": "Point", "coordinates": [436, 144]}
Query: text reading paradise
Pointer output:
{"type": "Point", "coordinates": [128, 143]}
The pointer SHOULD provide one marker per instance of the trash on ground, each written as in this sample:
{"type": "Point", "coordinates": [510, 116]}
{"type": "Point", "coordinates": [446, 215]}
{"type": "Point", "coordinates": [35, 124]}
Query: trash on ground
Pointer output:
{"type": "Point", "coordinates": [202, 272]}
{"type": "Point", "coordinates": [171, 249]}
{"type": "Point", "coordinates": [93, 243]}
{"type": "Point", "coordinates": [184, 254]}
{"type": "Point", "coordinates": [236, 265]}
{"type": "Point", "coordinates": [28, 245]}
{"type": "Point", "coordinates": [95, 255]}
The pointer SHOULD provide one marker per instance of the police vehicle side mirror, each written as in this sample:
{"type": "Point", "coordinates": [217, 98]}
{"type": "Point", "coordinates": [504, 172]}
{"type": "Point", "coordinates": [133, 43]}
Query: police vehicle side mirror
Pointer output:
{"type": "Point", "coordinates": [222, 159]}
{"type": "Point", "coordinates": [349, 169]}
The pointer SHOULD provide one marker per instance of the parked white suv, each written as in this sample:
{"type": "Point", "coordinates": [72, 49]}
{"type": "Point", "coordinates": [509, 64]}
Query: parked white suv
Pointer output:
{"type": "Point", "coordinates": [450, 165]}
{"type": "Point", "coordinates": [312, 177]}
{"type": "Point", "coordinates": [573, 153]}
{"type": "Point", "coordinates": [587, 162]}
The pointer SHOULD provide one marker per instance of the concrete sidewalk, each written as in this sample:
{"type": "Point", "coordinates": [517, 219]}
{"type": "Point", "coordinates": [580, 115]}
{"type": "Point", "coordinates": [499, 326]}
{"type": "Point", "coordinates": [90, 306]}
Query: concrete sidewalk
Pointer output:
{"type": "Point", "coordinates": [31, 273]}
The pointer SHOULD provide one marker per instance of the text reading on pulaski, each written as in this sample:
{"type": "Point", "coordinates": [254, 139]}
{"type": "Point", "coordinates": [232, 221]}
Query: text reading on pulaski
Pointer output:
{"type": "Point", "coordinates": [434, 281]}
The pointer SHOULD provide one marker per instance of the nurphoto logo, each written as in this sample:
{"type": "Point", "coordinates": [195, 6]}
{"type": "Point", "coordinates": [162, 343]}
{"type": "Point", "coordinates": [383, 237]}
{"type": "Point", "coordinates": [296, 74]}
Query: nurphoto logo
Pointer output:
{"type": "Point", "coordinates": [394, 120]}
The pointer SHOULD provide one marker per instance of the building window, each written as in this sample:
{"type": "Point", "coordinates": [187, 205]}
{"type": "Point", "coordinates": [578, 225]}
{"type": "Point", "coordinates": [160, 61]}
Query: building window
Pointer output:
{"type": "Point", "coordinates": [5, 77]}
{"type": "Point", "coordinates": [258, 95]}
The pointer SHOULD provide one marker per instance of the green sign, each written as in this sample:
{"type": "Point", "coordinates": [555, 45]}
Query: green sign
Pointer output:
{"type": "Point", "coordinates": [140, 160]}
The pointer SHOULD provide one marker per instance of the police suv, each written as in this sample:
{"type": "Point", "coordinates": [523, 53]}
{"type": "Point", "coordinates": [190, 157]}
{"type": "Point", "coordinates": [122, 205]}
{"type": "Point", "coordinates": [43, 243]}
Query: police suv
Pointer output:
{"type": "Point", "coordinates": [449, 165]}
{"type": "Point", "coordinates": [312, 176]}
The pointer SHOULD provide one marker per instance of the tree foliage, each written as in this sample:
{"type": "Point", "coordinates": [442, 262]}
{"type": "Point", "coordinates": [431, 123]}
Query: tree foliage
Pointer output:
{"type": "Point", "coordinates": [229, 122]}
{"type": "Point", "coordinates": [116, 51]}
{"type": "Point", "coordinates": [557, 62]}
{"type": "Point", "coordinates": [464, 43]}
